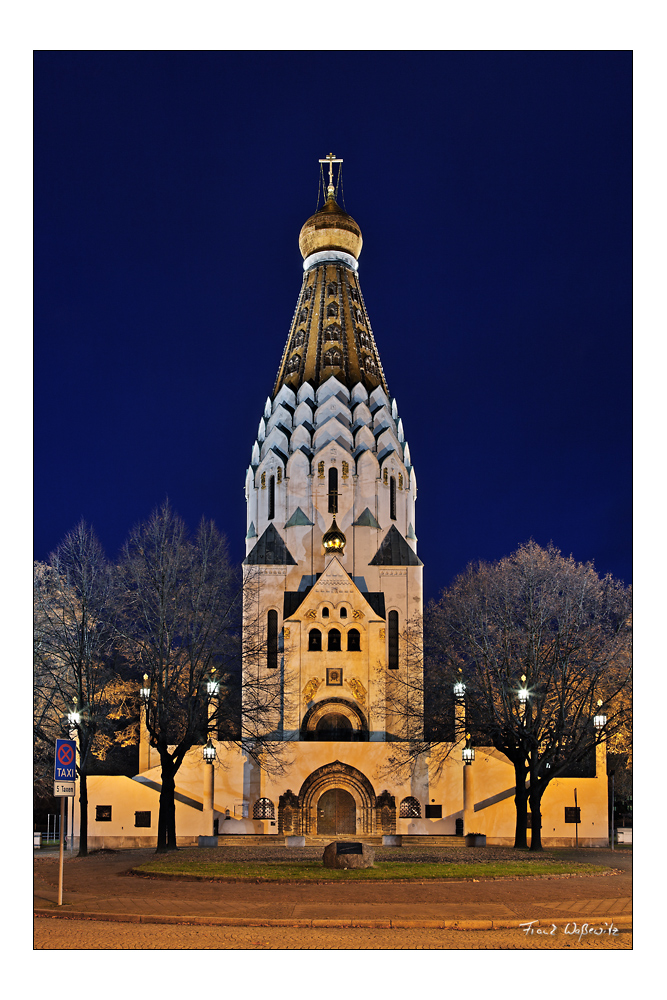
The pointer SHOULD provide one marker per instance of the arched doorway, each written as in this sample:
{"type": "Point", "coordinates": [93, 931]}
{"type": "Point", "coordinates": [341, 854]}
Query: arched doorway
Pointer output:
{"type": "Point", "coordinates": [338, 778]}
{"type": "Point", "coordinates": [336, 813]}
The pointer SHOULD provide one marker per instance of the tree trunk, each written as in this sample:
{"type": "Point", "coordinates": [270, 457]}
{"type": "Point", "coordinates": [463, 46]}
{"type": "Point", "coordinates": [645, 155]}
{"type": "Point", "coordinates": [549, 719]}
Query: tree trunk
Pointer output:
{"type": "Point", "coordinates": [521, 804]}
{"type": "Point", "coordinates": [166, 824]}
{"type": "Point", "coordinates": [535, 797]}
{"type": "Point", "coordinates": [83, 815]}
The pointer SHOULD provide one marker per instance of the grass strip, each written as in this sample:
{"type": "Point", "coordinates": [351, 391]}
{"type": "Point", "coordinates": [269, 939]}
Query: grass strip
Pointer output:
{"type": "Point", "coordinates": [312, 871]}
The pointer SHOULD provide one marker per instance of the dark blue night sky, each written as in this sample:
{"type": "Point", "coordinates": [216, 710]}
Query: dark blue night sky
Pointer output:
{"type": "Point", "coordinates": [493, 191]}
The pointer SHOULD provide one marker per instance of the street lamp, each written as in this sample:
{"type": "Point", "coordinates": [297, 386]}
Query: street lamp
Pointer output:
{"type": "Point", "coordinates": [209, 755]}
{"type": "Point", "coordinates": [523, 692]}
{"type": "Point", "coordinates": [212, 686]}
{"type": "Point", "coordinates": [73, 719]}
{"type": "Point", "coordinates": [599, 721]}
{"type": "Point", "coordinates": [145, 691]}
{"type": "Point", "coordinates": [459, 691]}
{"type": "Point", "coordinates": [468, 752]}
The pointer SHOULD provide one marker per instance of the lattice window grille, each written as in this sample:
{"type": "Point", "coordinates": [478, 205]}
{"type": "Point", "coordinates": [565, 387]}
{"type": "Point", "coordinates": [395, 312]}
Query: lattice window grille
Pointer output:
{"type": "Point", "coordinates": [410, 808]}
{"type": "Point", "coordinates": [263, 809]}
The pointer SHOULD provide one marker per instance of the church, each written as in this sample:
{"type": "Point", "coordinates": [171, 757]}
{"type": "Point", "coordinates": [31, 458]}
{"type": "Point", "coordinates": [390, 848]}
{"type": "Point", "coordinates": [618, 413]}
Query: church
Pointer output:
{"type": "Point", "coordinates": [334, 582]}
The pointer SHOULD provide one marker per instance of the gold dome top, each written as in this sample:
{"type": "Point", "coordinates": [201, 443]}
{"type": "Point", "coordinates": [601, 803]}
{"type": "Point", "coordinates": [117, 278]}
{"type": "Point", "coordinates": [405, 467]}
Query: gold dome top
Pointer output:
{"type": "Point", "coordinates": [334, 540]}
{"type": "Point", "coordinates": [330, 229]}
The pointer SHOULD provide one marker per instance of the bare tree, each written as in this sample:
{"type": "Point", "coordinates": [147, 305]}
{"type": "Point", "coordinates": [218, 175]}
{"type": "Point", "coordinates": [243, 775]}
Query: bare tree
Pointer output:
{"type": "Point", "coordinates": [264, 692]}
{"type": "Point", "coordinates": [182, 623]}
{"type": "Point", "coordinates": [542, 644]}
{"type": "Point", "coordinates": [401, 703]}
{"type": "Point", "coordinates": [73, 598]}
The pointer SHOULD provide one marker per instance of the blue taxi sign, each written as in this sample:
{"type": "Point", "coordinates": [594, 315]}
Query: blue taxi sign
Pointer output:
{"type": "Point", "coordinates": [65, 767]}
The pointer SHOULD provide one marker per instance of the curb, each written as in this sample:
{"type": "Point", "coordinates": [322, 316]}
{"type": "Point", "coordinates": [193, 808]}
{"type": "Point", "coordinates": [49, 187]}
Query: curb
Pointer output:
{"type": "Point", "coordinates": [624, 920]}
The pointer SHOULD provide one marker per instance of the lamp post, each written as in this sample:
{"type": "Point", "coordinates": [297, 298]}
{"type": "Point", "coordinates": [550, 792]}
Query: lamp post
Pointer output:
{"type": "Point", "coordinates": [145, 691]}
{"type": "Point", "coordinates": [144, 739]}
{"type": "Point", "coordinates": [599, 723]}
{"type": "Point", "coordinates": [212, 685]}
{"type": "Point", "coordinates": [468, 756]}
{"type": "Point", "coordinates": [209, 754]}
{"type": "Point", "coordinates": [599, 720]}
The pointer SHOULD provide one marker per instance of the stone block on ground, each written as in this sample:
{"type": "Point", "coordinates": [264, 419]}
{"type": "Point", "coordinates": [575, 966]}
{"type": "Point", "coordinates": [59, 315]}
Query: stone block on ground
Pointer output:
{"type": "Point", "coordinates": [348, 854]}
{"type": "Point", "coordinates": [295, 841]}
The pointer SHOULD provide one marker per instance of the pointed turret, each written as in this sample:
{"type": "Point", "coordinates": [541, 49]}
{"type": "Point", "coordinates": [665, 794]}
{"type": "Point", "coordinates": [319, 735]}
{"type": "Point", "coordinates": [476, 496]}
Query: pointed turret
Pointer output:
{"type": "Point", "coordinates": [331, 440]}
{"type": "Point", "coordinates": [331, 332]}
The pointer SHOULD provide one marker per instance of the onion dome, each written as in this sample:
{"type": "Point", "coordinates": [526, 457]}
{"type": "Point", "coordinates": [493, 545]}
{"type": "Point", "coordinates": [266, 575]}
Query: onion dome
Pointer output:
{"type": "Point", "coordinates": [330, 229]}
{"type": "Point", "coordinates": [334, 539]}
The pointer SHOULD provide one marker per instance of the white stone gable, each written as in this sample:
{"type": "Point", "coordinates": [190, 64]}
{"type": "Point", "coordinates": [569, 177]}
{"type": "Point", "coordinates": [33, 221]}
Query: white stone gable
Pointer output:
{"type": "Point", "coordinates": [335, 587]}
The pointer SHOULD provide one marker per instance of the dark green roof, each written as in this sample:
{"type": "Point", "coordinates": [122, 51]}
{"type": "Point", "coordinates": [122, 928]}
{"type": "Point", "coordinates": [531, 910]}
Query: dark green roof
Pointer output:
{"type": "Point", "coordinates": [395, 551]}
{"type": "Point", "coordinates": [298, 518]}
{"type": "Point", "coordinates": [270, 550]}
{"type": "Point", "coordinates": [366, 520]}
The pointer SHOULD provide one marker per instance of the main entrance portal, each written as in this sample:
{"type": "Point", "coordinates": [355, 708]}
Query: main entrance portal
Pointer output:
{"type": "Point", "coordinates": [337, 799]}
{"type": "Point", "coordinates": [336, 813]}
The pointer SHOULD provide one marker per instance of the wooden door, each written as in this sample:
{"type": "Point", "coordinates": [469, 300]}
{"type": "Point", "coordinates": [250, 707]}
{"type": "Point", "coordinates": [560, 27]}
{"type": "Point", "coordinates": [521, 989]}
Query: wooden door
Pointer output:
{"type": "Point", "coordinates": [336, 813]}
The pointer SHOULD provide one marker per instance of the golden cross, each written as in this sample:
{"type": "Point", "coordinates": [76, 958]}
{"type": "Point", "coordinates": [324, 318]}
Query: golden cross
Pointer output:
{"type": "Point", "coordinates": [330, 159]}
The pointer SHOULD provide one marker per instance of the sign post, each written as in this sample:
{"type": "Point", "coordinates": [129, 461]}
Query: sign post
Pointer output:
{"type": "Point", "coordinates": [64, 786]}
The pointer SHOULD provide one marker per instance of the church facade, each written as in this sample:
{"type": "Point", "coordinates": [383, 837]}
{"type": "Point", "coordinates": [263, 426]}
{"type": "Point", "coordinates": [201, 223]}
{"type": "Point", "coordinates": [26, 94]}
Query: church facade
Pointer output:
{"type": "Point", "coordinates": [334, 584]}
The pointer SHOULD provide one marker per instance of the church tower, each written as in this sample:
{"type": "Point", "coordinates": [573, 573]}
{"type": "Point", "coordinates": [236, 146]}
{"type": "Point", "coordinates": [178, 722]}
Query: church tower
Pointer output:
{"type": "Point", "coordinates": [332, 721]}
{"type": "Point", "coordinates": [331, 557]}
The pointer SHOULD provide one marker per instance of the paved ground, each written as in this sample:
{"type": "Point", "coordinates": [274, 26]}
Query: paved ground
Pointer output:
{"type": "Point", "coordinates": [101, 886]}
{"type": "Point", "coordinates": [113, 935]}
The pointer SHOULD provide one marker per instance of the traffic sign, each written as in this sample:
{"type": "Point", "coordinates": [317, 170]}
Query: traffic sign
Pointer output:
{"type": "Point", "coordinates": [65, 767]}
{"type": "Point", "coordinates": [64, 789]}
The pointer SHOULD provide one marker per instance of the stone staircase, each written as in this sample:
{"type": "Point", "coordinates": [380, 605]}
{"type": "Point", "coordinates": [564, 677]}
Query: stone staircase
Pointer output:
{"type": "Point", "coordinates": [278, 840]}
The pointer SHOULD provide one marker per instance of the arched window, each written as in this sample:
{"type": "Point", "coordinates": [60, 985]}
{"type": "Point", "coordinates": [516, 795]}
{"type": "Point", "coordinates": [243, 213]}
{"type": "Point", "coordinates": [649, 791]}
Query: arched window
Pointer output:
{"type": "Point", "coordinates": [332, 358]}
{"type": "Point", "coordinates": [410, 808]}
{"type": "Point", "coordinates": [353, 641]}
{"type": "Point", "coordinates": [315, 640]}
{"type": "Point", "coordinates": [333, 490]}
{"type": "Point", "coordinates": [272, 640]}
{"type": "Point", "coordinates": [392, 498]}
{"type": "Point", "coordinates": [392, 623]}
{"type": "Point", "coordinates": [272, 498]}
{"type": "Point", "coordinates": [333, 641]}
{"type": "Point", "coordinates": [332, 333]}
{"type": "Point", "coordinates": [325, 612]}
{"type": "Point", "coordinates": [343, 612]}
{"type": "Point", "coordinates": [263, 809]}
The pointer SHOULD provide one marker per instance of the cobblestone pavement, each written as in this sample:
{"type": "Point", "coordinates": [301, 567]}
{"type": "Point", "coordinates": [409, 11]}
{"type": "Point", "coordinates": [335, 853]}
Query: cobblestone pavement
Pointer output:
{"type": "Point", "coordinates": [101, 885]}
